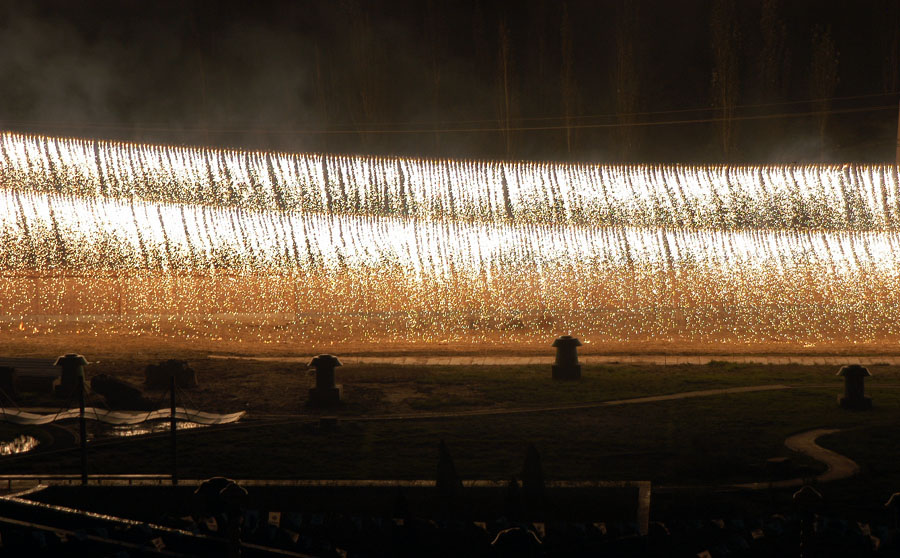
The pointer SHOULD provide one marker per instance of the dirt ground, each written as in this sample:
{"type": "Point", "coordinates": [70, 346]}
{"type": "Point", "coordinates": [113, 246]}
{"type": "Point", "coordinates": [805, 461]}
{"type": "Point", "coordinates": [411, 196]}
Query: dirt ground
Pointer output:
{"type": "Point", "coordinates": [273, 389]}
{"type": "Point", "coordinates": [670, 442]}
{"type": "Point", "coordinates": [280, 388]}
{"type": "Point", "coordinates": [97, 344]}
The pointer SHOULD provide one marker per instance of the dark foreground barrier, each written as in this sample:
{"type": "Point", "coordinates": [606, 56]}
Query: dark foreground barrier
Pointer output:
{"type": "Point", "coordinates": [37, 529]}
{"type": "Point", "coordinates": [626, 502]}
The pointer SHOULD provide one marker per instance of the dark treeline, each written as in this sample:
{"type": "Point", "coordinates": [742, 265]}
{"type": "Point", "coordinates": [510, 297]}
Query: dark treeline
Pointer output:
{"type": "Point", "coordinates": [614, 80]}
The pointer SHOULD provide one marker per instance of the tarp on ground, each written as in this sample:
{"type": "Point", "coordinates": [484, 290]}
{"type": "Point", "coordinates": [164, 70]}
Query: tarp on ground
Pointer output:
{"type": "Point", "coordinates": [17, 416]}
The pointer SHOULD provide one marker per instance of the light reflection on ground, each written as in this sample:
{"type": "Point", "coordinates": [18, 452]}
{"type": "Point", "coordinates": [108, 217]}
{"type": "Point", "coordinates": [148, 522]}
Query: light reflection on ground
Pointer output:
{"type": "Point", "coordinates": [149, 427]}
{"type": "Point", "coordinates": [19, 444]}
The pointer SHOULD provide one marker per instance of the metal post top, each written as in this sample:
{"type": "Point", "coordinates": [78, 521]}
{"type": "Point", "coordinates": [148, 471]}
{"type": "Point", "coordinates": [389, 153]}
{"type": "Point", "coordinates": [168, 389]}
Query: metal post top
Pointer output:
{"type": "Point", "coordinates": [324, 361]}
{"type": "Point", "coordinates": [854, 371]}
{"type": "Point", "coordinates": [566, 341]}
{"type": "Point", "coordinates": [70, 359]}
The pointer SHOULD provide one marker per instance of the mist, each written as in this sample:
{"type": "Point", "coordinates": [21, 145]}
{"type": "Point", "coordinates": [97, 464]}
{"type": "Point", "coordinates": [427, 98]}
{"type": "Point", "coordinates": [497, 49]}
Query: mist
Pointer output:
{"type": "Point", "coordinates": [434, 79]}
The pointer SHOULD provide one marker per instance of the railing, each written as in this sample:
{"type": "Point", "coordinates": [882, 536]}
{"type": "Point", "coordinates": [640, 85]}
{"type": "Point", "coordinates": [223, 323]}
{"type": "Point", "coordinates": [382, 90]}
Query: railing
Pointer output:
{"type": "Point", "coordinates": [19, 482]}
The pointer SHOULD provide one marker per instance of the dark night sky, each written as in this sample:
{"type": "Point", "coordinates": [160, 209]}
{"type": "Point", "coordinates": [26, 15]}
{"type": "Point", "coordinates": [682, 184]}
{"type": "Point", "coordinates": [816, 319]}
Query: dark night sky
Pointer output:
{"type": "Point", "coordinates": [584, 80]}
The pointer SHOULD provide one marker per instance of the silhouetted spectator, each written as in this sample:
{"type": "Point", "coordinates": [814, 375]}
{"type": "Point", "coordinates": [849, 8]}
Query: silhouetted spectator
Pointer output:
{"type": "Point", "coordinates": [516, 542]}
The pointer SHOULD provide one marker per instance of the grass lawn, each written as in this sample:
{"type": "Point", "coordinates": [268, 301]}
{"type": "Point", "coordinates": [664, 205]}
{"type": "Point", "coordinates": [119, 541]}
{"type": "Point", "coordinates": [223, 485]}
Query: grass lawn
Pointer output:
{"type": "Point", "coordinates": [876, 450]}
{"type": "Point", "coordinates": [273, 388]}
{"type": "Point", "coordinates": [711, 439]}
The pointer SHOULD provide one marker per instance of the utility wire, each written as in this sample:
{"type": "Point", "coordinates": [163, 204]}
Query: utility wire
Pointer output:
{"type": "Point", "coordinates": [608, 125]}
{"type": "Point", "coordinates": [640, 113]}
{"type": "Point", "coordinates": [492, 129]}
{"type": "Point", "coordinates": [530, 118]}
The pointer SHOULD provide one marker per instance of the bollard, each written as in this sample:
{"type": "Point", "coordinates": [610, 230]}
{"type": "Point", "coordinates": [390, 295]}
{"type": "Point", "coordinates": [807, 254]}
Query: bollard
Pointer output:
{"type": "Point", "coordinates": [326, 392]}
{"type": "Point", "coordinates": [854, 388]}
{"type": "Point", "coordinates": [566, 366]}
{"type": "Point", "coordinates": [71, 383]}
{"type": "Point", "coordinates": [72, 373]}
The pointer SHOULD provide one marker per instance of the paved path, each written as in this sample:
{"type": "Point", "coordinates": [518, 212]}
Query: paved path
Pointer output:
{"type": "Point", "coordinates": [837, 466]}
{"type": "Point", "coordinates": [587, 359]}
{"type": "Point", "coordinates": [572, 407]}
{"type": "Point", "coordinates": [264, 420]}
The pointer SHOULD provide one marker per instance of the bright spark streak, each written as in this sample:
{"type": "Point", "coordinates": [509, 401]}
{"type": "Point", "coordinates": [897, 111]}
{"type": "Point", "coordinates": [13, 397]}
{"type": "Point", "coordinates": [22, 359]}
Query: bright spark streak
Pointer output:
{"type": "Point", "coordinates": [444, 248]}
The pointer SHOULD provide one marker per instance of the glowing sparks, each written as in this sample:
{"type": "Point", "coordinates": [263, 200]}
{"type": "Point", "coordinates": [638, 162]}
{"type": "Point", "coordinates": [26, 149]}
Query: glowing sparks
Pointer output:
{"type": "Point", "coordinates": [379, 248]}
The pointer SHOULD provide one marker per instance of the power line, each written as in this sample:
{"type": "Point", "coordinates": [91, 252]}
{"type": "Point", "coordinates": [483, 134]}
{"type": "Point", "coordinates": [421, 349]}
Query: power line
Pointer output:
{"type": "Point", "coordinates": [645, 113]}
{"type": "Point", "coordinates": [608, 125]}
{"type": "Point", "coordinates": [493, 129]}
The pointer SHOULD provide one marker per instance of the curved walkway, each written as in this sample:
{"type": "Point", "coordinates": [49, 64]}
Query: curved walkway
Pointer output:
{"type": "Point", "coordinates": [578, 406]}
{"type": "Point", "coordinates": [837, 466]}
{"type": "Point", "coordinates": [542, 409]}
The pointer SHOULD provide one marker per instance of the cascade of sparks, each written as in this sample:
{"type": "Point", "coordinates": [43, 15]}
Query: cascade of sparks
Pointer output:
{"type": "Point", "coordinates": [125, 236]}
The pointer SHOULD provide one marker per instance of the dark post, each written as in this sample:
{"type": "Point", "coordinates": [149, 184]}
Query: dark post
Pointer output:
{"type": "Point", "coordinates": [533, 485]}
{"type": "Point", "coordinates": [72, 368]}
{"type": "Point", "coordinates": [854, 388]}
{"type": "Point", "coordinates": [326, 391]}
{"type": "Point", "coordinates": [174, 425]}
{"type": "Point", "coordinates": [566, 366]}
{"type": "Point", "coordinates": [82, 431]}
{"type": "Point", "coordinates": [72, 380]}
{"type": "Point", "coordinates": [448, 485]}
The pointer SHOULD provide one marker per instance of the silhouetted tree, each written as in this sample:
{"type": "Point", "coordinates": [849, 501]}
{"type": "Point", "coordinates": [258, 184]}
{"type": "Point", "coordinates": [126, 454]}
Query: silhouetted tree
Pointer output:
{"type": "Point", "coordinates": [889, 14]}
{"type": "Point", "coordinates": [322, 94]}
{"type": "Point", "coordinates": [513, 500]}
{"type": "Point", "coordinates": [504, 83]}
{"type": "Point", "coordinates": [437, 36]}
{"type": "Point", "coordinates": [627, 79]}
{"type": "Point", "coordinates": [568, 88]}
{"type": "Point", "coordinates": [203, 113]}
{"type": "Point", "coordinates": [533, 484]}
{"type": "Point", "coordinates": [448, 483]}
{"type": "Point", "coordinates": [366, 70]}
{"type": "Point", "coordinates": [823, 78]}
{"type": "Point", "coordinates": [891, 69]}
{"type": "Point", "coordinates": [774, 61]}
{"type": "Point", "coordinates": [542, 77]}
{"type": "Point", "coordinates": [774, 56]}
{"type": "Point", "coordinates": [479, 33]}
{"type": "Point", "coordinates": [725, 37]}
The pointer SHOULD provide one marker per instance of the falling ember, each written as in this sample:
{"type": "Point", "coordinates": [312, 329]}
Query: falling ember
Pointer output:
{"type": "Point", "coordinates": [134, 238]}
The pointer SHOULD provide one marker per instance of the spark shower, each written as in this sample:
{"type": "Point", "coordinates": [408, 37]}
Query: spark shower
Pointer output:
{"type": "Point", "coordinates": [315, 249]}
